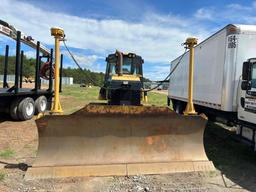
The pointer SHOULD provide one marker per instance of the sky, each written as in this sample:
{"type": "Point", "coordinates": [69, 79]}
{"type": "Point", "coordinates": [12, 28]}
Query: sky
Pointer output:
{"type": "Point", "coordinates": [153, 29]}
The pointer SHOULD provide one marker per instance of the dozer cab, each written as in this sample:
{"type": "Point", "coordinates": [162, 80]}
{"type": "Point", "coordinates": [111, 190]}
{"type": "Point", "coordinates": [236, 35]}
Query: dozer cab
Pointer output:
{"type": "Point", "coordinates": [115, 140]}
{"type": "Point", "coordinates": [123, 83]}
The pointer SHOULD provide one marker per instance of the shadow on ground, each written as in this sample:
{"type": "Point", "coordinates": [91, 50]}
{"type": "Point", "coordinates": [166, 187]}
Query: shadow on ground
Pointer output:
{"type": "Point", "coordinates": [234, 159]}
{"type": "Point", "coordinates": [4, 117]}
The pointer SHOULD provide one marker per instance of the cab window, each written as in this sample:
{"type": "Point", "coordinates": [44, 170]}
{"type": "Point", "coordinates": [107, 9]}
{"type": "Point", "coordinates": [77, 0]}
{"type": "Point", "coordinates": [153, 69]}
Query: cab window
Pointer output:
{"type": "Point", "coordinates": [127, 65]}
{"type": "Point", "coordinates": [112, 68]}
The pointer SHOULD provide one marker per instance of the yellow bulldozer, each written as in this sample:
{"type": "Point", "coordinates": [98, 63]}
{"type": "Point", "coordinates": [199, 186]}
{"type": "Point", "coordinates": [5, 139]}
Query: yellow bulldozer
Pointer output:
{"type": "Point", "coordinates": [122, 137]}
{"type": "Point", "coordinates": [123, 82]}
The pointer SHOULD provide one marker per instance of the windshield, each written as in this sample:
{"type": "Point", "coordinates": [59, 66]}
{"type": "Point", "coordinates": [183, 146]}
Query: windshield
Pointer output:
{"type": "Point", "coordinates": [127, 65]}
{"type": "Point", "coordinates": [254, 76]}
{"type": "Point", "coordinates": [131, 66]}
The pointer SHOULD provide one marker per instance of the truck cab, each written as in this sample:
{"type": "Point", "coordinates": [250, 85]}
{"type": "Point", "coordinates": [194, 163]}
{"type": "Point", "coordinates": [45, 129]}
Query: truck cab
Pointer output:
{"type": "Point", "coordinates": [247, 102]}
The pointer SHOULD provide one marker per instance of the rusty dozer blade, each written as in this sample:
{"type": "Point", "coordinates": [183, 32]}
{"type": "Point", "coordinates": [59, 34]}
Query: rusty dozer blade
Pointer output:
{"type": "Point", "coordinates": [103, 140]}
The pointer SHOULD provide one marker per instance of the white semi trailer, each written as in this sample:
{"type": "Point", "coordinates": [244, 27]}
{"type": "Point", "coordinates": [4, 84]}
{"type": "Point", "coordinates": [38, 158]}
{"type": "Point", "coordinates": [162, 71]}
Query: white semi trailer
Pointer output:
{"type": "Point", "coordinates": [224, 79]}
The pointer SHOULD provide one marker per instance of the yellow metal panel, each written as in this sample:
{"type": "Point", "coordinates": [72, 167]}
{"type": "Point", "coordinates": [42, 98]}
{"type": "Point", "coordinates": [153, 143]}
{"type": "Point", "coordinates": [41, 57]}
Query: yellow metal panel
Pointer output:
{"type": "Point", "coordinates": [57, 32]}
{"type": "Point", "coordinates": [126, 78]}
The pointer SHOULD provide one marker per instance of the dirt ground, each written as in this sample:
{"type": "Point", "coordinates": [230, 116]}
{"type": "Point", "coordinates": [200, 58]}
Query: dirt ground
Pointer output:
{"type": "Point", "coordinates": [235, 163]}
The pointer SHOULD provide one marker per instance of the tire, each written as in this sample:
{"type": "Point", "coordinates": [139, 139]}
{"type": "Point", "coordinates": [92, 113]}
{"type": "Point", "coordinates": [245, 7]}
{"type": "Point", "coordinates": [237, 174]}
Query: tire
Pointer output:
{"type": "Point", "coordinates": [179, 107]}
{"type": "Point", "coordinates": [26, 109]}
{"type": "Point", "coordinates": [40, 105]}
{"type": "Point", "coordinates": [174, 105]}
{"type": "Point", "coordinates": [14, 109]}
{"type": "Point", "coordinates": [211, 117]}
{"type": "Point", "coordinates": [168, 101]}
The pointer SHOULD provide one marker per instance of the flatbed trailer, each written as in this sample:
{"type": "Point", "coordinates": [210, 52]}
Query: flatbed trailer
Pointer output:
{"type": "Point", "coordinates": [20, 102]}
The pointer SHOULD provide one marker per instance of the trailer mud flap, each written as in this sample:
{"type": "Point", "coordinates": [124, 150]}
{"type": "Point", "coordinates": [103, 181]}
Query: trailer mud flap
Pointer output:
{"type": "Point", "coordinates": [119, 140]}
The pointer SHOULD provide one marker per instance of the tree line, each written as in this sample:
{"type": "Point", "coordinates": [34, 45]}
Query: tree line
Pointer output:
{"type": "Point", "coordinates": [79, 77]}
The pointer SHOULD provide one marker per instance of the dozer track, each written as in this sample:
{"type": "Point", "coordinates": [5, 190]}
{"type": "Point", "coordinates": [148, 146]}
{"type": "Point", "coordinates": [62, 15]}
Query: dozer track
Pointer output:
{"type": "Point", "coordinates": [103, 140]}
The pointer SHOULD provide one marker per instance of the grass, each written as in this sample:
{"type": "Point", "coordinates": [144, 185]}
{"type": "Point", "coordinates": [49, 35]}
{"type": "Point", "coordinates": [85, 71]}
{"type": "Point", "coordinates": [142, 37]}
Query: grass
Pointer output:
{"type": "Point", "coordinates": [81, 93]}
{"type": "Point", "coordinates": [157, 99]}
{"type": "Point", "coordinates": [7, 153]}
{"type": "Point", "coordinates": [2, 176]}
{"type": "Point", "coordinates": [75, 97]}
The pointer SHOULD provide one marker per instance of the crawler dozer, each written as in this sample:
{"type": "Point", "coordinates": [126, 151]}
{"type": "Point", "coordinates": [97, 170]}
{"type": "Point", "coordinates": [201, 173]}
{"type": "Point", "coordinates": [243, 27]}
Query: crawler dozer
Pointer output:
{"type": "Point", "coordinates": [119, 139]}
{"type": "Point", "coordinates": [123, 83]}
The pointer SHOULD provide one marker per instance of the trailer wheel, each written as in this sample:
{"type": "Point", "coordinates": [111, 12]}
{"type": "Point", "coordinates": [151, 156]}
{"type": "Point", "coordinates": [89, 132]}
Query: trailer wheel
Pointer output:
{"type": "Point", "coordinates": [26, 109]}
{"type": "Point", "coordinates": [168, 101]}
{"type": "Point", "coordinates": [178, 107]}
{"type": "Point", "coordinates": [14, 109]}
{"type": "Point", "coordinates": [40, 105]}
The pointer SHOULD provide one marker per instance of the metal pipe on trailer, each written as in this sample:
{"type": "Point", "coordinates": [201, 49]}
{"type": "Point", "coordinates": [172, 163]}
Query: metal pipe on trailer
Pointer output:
{"type": "Point", "coordinates": [21, 67]}
{"type": "Point", "coordinates": [48, 58]}
{"type": "Point", "coordinates": [17, 63]}
{"type": "Point", "coordinates": [39, 79]}
{"type": "Point", "coordinates": [6, 57]}
{"type": "Point", "coordinates": [37, 67]}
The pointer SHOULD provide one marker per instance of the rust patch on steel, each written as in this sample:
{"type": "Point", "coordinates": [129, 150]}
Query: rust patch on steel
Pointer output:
{"type": "Point", "coordinates": [155, 142]}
